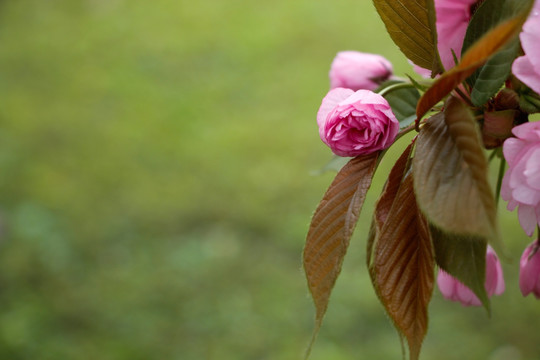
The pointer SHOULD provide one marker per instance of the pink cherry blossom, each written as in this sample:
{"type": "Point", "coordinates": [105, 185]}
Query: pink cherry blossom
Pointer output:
{"type": "Point", "coordinates": [452, 289]}
{"type": "Point", "coordinates": [527, 68]}
{"type": "Point", "coordinates": [356, 70]}
{"type": "Point", "coordinates": [529, 270]}
{"type": "Point", "coordinates": [356, 123]}
{"type": "Point", "coordinates": [521, 183]}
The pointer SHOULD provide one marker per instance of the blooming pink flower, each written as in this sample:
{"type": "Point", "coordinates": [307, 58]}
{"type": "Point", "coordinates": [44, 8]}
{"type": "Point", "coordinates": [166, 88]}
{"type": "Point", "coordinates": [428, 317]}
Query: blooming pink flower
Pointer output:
{"type": "Point", "coordinates": [521, 183]}
{"type": "Point", "coordinates": [529, 270]}
{"type": "Point", "coordinates": [356, 123]}
{"type": "Point", "coordinates": [452, 289]}
{"type": "Point", "coordinates": [355, 70]}
{"type": "Point", "coordinates": [527, 68]}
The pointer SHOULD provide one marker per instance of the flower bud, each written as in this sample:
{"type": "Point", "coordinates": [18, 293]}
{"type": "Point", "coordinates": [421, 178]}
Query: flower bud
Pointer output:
{"type": "Point", "coordinates": [452, 289]}
{"type": "Point", "coordinates": [506, 99]}
{"type": "Point", "coordinates": [529, 270]}
{"type": "Point", "coordinates": [355, 70]}
{"type": "Point", "coordinates": [497, 127]}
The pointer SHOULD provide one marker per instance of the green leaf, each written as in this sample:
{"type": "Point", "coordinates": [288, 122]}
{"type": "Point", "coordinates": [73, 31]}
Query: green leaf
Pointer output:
{"type": "Point", "coordinates": [493, 74]}
{"type": "Point", "coordinates": [463, 257]}
{"type": "Point", "coordinates": [411, 24]}
{"type": "Point", "coordinates": [402, 260]}
{"type": "Point", "coordinates": [451, 184]}
{"type": "Point", "coordinates": [488, 79]}
{"type": "Point", "coordinates": [475, 57]}
{"type": "Point", "coordinates": [417, 84]}
{"type": "Point", "coordinates": [331, 228]}
{"type": "Point", "coordinates": [402, 100]}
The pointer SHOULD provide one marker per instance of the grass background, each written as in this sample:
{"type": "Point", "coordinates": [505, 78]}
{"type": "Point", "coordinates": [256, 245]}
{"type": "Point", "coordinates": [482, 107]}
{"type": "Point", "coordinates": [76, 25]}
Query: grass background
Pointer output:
{"type": "Point", "coordinates": [156, 185]}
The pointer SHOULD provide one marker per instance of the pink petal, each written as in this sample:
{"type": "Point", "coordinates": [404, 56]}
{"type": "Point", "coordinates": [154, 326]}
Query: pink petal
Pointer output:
{"type": "Point", "coordinates": [356, 70]}
{"type": "Point", "coordinates": [523, 69]}
{"type": "Point", "coordinates": [425, 73]}
{"type": "Point", "coordinates": [532, 169]}
{"type": "Point", "coordinates": [466, 296]}
{"type": "Point", "coordinates": [521, 192]}
{"type": "Point", "coordinates": [499, 289]}
{"type": "Point", "coordinates": [524, 194]}
{"type": "Point", "coordinates": [330, 101]}
{"type": "Point", "coordinates": [529, 274]}
{"type": "Point", "coordinates": [506, 190]}
{"type": "Point", "coordinates": [511, 148]}
{"type": "Point", "coordinates": [365, 97]}
{"type": "Point", "coordinates": [530, 36]}
{"type": "Point", "coordinates": [494, 275]}
{"type": "Point", "coordinates": [527, 218]}
{"type": "Point", "coordinates": [447, 285]}
{"type": "Point", "coordinates": [529, 131]}
{"type": "Point", "coordinates": [527, 68]}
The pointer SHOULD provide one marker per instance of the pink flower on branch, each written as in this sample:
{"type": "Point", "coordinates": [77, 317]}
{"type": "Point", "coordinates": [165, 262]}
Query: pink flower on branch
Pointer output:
{"type": "Point", "coordinates": [356, 70]}
{"type": "Point", "coordinates": [356, 123]}
{"type": "Point", "coordinates": [521, 183]}
{"type": "Point", "coordinates": [529, 270]}
{"type": "Point", "coordinates": [527, 68]}
{"type": "Point", "coordinates": [452, 289]}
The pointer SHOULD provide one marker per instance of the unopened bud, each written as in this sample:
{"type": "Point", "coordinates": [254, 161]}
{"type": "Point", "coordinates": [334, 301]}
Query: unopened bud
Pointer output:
{"type": "Point", "coordinates": [497, 127]}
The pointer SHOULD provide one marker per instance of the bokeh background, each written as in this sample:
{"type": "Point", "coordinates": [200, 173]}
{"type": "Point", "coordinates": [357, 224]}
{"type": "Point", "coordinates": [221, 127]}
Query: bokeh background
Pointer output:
{"type": "Point", "coordinates": [157, 178]}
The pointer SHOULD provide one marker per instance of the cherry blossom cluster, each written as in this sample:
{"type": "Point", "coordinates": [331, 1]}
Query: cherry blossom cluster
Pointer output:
{"type": "Point", "coordinates": [353, 120]}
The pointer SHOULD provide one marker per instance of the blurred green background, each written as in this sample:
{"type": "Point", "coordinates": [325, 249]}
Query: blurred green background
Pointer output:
{"type": "Point", "coordinates": [156, 185]}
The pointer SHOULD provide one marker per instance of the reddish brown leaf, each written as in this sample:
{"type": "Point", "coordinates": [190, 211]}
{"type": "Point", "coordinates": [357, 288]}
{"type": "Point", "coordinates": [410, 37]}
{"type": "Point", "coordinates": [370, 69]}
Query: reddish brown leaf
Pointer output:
{"type": "Point", "coordinates": [402, 259]}
{"type": "Point", "coordinates": [451, 173]}
{"type": "Point", "coordinates": [475, 57]}
{"type": "Point", "coordinates": [453, 192]}
{"type": "Point", "coordinates": [332, 226]}
{"type": "Point", "coordinates": [384, 203]}
{"type": "Point", "coordinates": [392, 186]}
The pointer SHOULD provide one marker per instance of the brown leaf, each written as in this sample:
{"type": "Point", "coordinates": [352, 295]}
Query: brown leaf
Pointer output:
{"type": "Point", "coordinates": [475, 57]}
{"type": "Point", "coordinates": [384, 203]}
{"type": "Point", "coordinates": [453, 192]}
{"type": "Point", "coordinates": [411, 24]}
{"type": "Point", "coordinates": [332, 226]}
{"type": "Point", "coordinates": [450, 169]}
{"type": "Point", "coordinates": [402, 260]}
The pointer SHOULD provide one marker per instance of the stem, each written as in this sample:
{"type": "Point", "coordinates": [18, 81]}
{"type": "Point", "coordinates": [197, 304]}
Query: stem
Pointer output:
{"type": "Point", "coordinates": [499, 181]}
{"type": "Point", "coordinates": [395, 87]}
{"type": "Point", "coordinates": [493, 154]}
